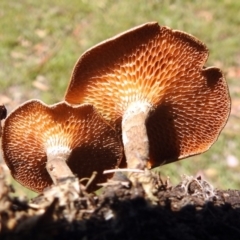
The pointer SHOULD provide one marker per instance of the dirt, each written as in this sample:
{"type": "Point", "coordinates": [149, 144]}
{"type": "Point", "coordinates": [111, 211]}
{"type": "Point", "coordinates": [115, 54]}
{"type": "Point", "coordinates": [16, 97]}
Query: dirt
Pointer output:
{"type": "Point", "coordinates": [154, 210]}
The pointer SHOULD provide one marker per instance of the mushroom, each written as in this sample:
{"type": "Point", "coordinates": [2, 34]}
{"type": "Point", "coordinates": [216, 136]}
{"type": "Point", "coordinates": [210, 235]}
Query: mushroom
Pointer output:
{"type": "Point", "coordinates": [3, 115]}
{"type": "Point", "coordinates": [151, 81]}
{"type": "Point", "coordinates": [43, 144]}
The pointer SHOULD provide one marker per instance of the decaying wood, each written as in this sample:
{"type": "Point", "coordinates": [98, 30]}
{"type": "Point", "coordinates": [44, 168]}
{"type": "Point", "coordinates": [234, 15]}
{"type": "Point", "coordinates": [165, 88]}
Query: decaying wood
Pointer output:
{"type": "Point", "coordinates": [191, 210]}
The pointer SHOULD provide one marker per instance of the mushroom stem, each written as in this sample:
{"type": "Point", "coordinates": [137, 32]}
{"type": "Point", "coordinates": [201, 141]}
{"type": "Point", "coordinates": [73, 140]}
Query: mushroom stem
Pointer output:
{"type": "Point", "coordinates": [134, 134]}
{"type": "Point", "coordinates": [56, 164]}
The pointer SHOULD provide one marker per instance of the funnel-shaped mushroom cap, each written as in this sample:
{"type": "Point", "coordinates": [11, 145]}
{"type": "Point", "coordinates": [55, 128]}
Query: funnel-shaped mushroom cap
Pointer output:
{"type": "Point", "coordinates": [163, 67]}
{"type": "Point", "coordinates": [35, 128]}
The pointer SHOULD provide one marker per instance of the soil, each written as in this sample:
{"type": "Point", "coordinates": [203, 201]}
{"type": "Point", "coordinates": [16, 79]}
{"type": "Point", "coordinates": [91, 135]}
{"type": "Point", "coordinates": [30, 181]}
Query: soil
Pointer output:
{"type": "Point", "coordinates": [152, 209]}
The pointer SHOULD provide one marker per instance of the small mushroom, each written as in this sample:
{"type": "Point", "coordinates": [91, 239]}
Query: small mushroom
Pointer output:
{"type": "Point", "coordinates": [38, 140]}
{"type": "Point", "coordinates": [3, 115]}
{"type": "Point", "coordinates": [152, 82]}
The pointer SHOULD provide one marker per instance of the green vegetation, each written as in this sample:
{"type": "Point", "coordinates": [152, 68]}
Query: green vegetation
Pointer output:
{"type": "Point", "coordinates": [40, 43]}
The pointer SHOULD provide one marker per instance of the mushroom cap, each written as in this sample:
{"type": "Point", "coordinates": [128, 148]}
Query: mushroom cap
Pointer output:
{"type": "Point", "coordinates": [35, 127]}
{"type": "Point", "coordinates": [165, 68]}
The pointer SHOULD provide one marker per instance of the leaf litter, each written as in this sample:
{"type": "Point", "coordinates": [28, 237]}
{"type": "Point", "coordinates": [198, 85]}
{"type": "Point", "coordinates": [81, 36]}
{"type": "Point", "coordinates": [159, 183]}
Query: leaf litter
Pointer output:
{"type": "Point", "coordinates": [192, 209]}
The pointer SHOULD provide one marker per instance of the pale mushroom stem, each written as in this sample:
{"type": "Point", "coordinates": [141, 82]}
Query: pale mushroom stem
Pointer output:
{"type": "Point", "coordinates": [56, 164]}
{"type": "Point", "coordinates": [134, 134]}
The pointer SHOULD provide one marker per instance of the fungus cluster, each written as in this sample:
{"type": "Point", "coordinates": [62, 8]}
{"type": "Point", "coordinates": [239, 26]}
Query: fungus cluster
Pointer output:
{"type": "Point", "coordinates": [150, 82]}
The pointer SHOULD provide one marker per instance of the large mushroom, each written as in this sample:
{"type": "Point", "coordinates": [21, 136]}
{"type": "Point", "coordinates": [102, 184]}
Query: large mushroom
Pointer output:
{"type": "Point", "coordinates": [43, 144]}
{"type": "Point", "coordinates": [152, 82]}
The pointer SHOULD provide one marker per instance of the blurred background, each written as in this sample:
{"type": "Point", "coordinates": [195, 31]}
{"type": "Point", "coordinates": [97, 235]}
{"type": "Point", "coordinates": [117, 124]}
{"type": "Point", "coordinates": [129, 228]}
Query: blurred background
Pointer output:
{"type": "Point", "coordinates": [40, 43]}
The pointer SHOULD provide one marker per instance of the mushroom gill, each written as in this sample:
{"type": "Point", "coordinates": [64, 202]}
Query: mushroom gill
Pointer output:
{"type": "Point", "coordinates": [34, 134]}
{"type": "Point", "coordinates": [152, 82]}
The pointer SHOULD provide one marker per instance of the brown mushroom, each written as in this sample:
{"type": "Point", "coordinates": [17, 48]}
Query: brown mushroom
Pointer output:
{"type": "Point", "coordinates": [38, 140]}
{"type": "Point", "coordinates": [3, 115]}
{"type": "Point", "coordinates": [152, 80]}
